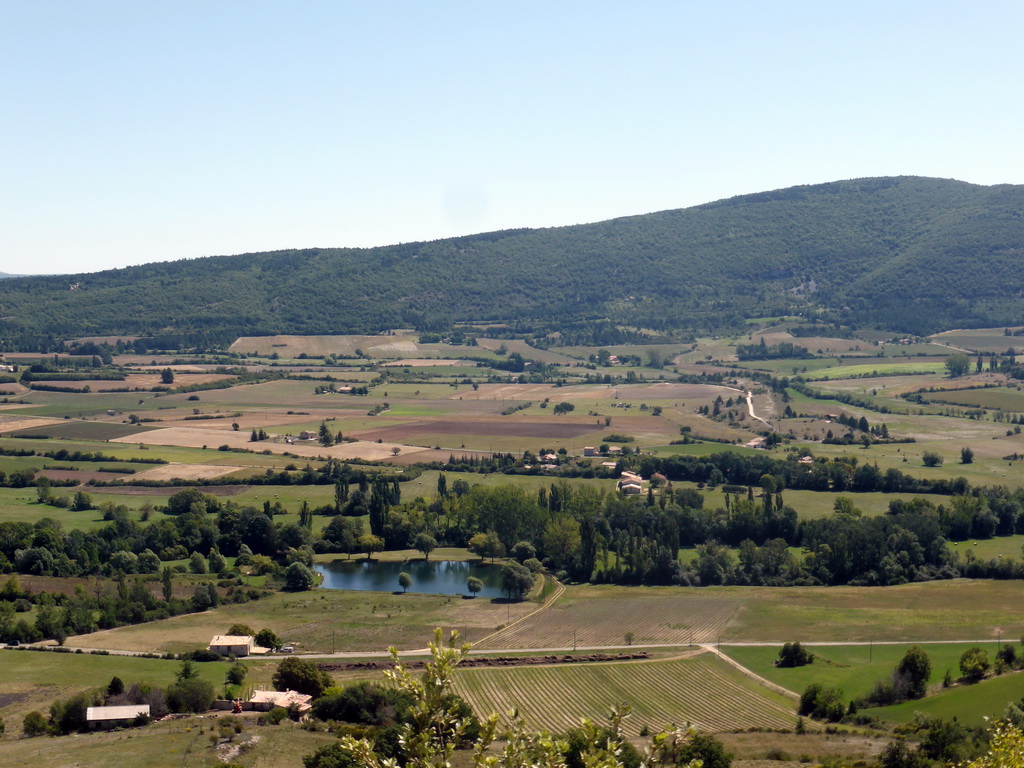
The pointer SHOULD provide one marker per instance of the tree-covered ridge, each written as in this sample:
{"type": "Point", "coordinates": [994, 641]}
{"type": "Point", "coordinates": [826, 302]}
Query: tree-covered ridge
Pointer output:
{"type": "Point", "coordinates": [909, 253]}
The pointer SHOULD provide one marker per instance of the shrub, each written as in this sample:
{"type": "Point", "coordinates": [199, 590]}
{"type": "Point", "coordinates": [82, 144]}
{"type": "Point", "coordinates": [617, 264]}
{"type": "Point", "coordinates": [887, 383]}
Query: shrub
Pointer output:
{"type": "Point", "coordinates": [794, 655]}
{"type": "Point", "coordinates": [974, 664]}
{"type": "Point", "coordinates": [35, 724]}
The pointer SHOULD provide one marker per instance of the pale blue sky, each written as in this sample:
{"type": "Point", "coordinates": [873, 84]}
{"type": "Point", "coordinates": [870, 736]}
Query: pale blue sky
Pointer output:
{"type": "Point", "coordinates": [149, 130]}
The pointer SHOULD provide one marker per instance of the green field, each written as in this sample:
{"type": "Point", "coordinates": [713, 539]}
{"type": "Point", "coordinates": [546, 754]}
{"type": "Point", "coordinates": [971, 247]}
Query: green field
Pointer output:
{"type": "Point", "coordinates": [997, 398]}
{"type": "Point", "coordinates": [874, 369]}
{"type": "Point", "coordinates": [32, 680]}
{"type": "Point", "coordinates": [852, 668]}
{"type": "Point", "coordinates": [974, 705]}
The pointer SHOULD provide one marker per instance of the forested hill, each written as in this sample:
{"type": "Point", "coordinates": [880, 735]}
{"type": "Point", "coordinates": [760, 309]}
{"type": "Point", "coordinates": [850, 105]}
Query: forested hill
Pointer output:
{"type": "Point", "coordinates": [906, 253]}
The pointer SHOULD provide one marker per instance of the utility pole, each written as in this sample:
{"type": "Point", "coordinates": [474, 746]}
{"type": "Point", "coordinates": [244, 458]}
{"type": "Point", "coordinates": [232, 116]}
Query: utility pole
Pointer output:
{"type": "Point", "coordinates": [871, 650]}
{"type": "Point", "coordinates": [574, 641]}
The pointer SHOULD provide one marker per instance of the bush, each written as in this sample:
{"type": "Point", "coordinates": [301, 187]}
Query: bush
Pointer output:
{"type": "Point", "coordinates": [204, 654]}
{"type": "Point", "coordinates": [35, 724]}
{"type": "Point", "coordinates": [273, 717]}
{"type": "Point", "coordinates": [298, 578]}
{"type": "Point", "coordinates": [931, 459]}
{"type": "Point", "coordinates": [794, 655]}
{"type": "Point", "coordinates": [974, 664]}
{"type": "Point", "coordinates": [822, 703]}
{"type": "Point", "coordinates": [365, 703]}
{"type": "Point", "coordinates": [190, 695]}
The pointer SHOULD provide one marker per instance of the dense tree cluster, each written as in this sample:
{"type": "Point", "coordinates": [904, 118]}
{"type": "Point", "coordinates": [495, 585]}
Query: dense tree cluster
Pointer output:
{"type": "Point", "coordinates": [827, 247]}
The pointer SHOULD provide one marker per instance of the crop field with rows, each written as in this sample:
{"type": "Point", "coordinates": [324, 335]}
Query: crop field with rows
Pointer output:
{"type": "Point", "coordinates": [676, 619]}
{"type": "Point", "coordinates": [698, 689]}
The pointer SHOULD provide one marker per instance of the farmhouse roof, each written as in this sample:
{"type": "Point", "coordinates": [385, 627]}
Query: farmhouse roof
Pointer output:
{"type": "Point", "coordinates": [231, 640]}
{"type": "Point", "coordinates": [281, 698]}
{"type": "Point", "coordinates": [126, 712]}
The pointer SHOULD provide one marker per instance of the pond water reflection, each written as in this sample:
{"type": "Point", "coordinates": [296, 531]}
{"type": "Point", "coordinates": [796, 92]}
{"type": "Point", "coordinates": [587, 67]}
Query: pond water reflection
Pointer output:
{"type": "Point", "coordinates": [439, 577]}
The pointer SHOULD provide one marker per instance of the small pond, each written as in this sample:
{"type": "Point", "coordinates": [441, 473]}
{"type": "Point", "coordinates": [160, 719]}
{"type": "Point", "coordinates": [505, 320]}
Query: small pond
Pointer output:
{"type": "Point", "coordinates": [438, 577]}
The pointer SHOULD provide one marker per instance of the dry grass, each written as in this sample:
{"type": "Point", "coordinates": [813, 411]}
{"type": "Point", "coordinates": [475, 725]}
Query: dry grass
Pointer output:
{"type": "Point", "coordinates": [321, 621]}
{"type": "Point", "coordinates": [184, 471]}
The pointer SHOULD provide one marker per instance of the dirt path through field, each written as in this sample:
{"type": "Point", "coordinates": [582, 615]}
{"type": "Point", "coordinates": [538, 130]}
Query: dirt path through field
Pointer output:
{"type": "Point", "coordinates": [750, 673]}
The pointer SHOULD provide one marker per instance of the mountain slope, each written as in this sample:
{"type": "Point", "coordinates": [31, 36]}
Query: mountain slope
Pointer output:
{"type": "Point", "coordinates": [909, 253]}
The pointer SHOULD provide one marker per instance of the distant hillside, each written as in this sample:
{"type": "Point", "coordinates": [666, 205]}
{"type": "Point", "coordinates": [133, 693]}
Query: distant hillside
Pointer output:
{"type": "Point", "coordinates": [907, 253]}
{"type": "Point", "coordinates": [4, 275]}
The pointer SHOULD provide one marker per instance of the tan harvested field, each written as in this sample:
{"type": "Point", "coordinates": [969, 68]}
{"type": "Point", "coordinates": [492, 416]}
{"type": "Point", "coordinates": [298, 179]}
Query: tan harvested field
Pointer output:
{"type": "Point", "coordinates": [678, 617]}
{"type": "Point", "coordinates": [184, 472]}
{"type": "Point", "coordinates": [196, 437]}
{"type": "Point", "coordinates": [697, 688]}
{"type": "Point", "coordinates": [292, 346]}
{"type": "Point", "coordinates": [15, 423]}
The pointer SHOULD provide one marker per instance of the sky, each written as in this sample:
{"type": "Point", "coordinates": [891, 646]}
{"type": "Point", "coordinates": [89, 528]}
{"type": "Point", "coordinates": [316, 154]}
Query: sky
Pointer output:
{"type": "Point", "coordinates": [133, 132]}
